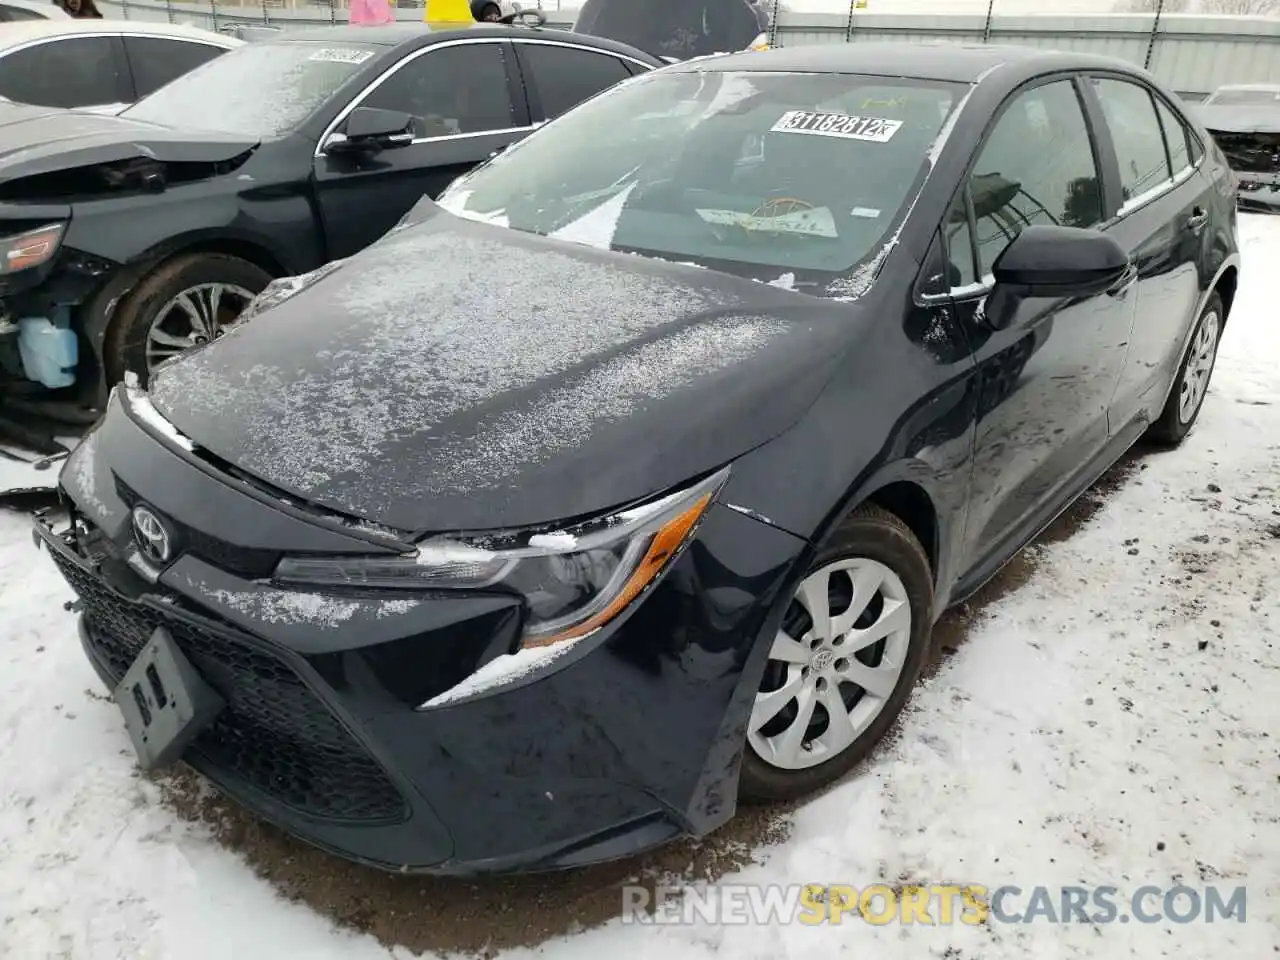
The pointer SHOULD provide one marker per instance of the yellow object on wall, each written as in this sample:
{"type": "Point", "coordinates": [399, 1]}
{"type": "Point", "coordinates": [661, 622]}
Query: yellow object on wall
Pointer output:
{"type": "Point", "coordinates": [447, 13]}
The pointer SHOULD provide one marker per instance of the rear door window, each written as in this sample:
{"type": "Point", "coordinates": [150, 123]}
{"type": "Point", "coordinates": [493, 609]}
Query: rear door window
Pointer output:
{"type": "Point", "coordinates": [450, 91]}
{"type": "Point", "coordinates": [1135, 130]}
{"type": "Point", "coordinates": [1177, 139]}
{"type": "Point", "coordinates": [155, 61]}
{"type": "Point", "coordinates": [562, 77]}
{"type": "Point", "coordinates": [68, 72]}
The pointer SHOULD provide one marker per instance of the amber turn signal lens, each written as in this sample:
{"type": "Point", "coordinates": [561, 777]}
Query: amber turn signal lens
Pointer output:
{"type": "Point", "coordinates": [666, 543]}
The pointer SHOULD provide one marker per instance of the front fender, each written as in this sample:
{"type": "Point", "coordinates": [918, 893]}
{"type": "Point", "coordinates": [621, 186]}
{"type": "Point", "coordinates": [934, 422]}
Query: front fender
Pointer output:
{"type": "Point", "coordinates": [899, 410]}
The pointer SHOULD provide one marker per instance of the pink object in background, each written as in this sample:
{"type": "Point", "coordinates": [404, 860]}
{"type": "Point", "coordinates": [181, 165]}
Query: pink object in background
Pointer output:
{"type": "Point", "coordinates": [369, 13]}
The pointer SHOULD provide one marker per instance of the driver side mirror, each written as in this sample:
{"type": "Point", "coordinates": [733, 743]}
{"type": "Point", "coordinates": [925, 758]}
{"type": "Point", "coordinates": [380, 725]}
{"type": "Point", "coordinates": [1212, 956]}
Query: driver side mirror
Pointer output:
{"type": "Point", "coordinates": [1050, 261]}
{"type": "Point", "coordinates": [370, 130]}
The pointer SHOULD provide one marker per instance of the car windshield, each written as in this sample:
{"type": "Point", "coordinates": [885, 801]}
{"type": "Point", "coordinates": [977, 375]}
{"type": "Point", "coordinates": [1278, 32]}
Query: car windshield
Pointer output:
{"type": "Point", "coordinates": [748, 173]}
{"type": "Point", "coordinates": [260, 90]}
{"type": "Point", "coordinates": [1245, 98]}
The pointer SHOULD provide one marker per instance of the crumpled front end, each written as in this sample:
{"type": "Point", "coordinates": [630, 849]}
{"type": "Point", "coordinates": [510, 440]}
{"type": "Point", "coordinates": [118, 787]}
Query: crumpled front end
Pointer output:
{"type": "Point", "coordinates": [1254, 158]}
{"type": "Point", "coordinates": [396, 727]}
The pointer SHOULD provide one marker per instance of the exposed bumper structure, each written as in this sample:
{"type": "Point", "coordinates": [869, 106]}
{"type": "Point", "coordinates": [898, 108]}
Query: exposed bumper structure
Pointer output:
{"type": "Point", "coordinates": [629, 739]}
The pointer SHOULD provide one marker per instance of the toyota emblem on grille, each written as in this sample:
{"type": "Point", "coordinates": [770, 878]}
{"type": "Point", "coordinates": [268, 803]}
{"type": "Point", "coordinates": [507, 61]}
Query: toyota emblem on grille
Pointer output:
{"type": "Point", "coordinates": [151, 536]}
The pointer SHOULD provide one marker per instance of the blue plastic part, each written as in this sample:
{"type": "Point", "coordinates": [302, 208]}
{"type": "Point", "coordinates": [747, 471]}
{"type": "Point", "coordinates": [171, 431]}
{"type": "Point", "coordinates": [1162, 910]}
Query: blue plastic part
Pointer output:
{"type": "Point", "coordinates": [49, 352]}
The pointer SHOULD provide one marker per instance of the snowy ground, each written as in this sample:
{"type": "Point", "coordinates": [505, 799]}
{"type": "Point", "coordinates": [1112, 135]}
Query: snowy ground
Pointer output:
{"type": "Point", "coordinates": [1112, 719]}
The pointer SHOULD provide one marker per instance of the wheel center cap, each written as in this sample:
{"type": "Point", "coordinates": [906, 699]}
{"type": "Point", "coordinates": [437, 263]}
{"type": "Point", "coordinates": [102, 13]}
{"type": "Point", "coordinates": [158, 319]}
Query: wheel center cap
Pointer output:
{"type": "Point", "coordinates": [822, 659]}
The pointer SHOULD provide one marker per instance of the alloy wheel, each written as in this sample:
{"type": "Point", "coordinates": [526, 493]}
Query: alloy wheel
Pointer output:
{"type": "Point", "coordinates": [195, 316]}
{"type": "Point", "coordinates": [1195, 376]}
{"type": "Point", "coordinates": [833, 665]}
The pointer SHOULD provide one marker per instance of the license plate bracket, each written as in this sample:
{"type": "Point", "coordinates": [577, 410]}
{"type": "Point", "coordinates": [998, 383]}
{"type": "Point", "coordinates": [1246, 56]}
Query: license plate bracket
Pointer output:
{"type": "Point", "coordinates": [165, 702]}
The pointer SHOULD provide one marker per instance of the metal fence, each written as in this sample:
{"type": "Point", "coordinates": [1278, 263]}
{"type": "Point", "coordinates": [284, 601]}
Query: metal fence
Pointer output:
{"type": "Point", "coordinates": [1192, 53]}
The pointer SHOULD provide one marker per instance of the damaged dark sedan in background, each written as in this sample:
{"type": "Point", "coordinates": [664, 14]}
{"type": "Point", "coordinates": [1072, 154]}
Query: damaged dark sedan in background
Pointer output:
{"type": "Point", "coordinates": [128, 239]}
{"type": "Point", "coordinates": [647, 493]}
{"type": "Point", "coordinates": [1244, 120]}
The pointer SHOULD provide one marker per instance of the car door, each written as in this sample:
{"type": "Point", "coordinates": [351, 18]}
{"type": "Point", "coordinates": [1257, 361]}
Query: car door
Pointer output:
{"type": "Point", "coordinates": [558, 76]}
{"type": "Point", "coordinates": [1046, 378]}
{"type": "Point", "coordinates": [466, 102]}
{"type": "Point", "coordinates": [1161, 222]}
{"type": "Point", "coordinates": [72, 71]}
{"type": "Point", "coordinates": [155, 61]}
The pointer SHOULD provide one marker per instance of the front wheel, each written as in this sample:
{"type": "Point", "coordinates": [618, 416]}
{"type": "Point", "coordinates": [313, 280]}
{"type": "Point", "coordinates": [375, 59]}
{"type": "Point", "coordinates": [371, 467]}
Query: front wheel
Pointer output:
{"type": "Point", "coordinates": [183, 303]}
{"type": "Point", "coordinates": [852, 644]}
{"type": "Point", "coordinates": [1192, 382]}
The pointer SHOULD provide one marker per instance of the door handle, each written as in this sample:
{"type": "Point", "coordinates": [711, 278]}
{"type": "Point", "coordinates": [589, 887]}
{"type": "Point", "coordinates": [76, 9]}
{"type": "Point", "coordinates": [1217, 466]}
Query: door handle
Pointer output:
{"type": "Point", "coordinates": [1127, 280]}
{"type": "Point", "coordinates": [1197, 220]}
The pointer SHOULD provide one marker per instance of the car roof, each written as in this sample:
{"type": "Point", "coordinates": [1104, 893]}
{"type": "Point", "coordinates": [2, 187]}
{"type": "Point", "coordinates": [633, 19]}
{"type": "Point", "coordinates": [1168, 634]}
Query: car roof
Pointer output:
{"type": "Point", "coordinates": [939, 60]}
{"type": "Point", "coordinates": [404, 32]}
{"type": "Point", "coordinates": [23, 31]}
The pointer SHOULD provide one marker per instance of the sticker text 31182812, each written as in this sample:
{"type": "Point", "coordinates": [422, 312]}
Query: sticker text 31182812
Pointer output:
{"type": "Point", "coordinates": [876, 129]}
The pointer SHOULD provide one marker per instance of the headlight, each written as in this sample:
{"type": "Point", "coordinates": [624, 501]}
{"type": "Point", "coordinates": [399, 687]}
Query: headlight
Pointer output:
{"type": "Point", "coordinates": [760, 43]}
{"type": "Point", "coordinates": [30, 249]}
{"type": "Point", "coordinates": [572, 581]}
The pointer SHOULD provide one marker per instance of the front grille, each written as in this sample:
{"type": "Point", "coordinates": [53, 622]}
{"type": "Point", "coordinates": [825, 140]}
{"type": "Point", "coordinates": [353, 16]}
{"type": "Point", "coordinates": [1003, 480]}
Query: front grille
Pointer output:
{"type": "Point", "coordinates": [274, 734]}
{"type": "Point", "coordinates": [248, 562]}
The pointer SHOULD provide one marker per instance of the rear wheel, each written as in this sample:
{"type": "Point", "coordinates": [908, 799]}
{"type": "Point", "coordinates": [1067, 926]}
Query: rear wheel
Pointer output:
{"type": "Point", "coordinates": [183, 303]}
{"type": "Point", "coordinates": [852, 644]}
{"type": "Point", "coordinates": [1192, 382]}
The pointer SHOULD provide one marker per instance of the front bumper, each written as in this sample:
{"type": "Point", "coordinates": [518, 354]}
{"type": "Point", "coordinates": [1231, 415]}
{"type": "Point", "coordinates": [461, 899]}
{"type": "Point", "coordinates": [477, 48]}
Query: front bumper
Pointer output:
{"type": "Point", "coordinates": [630, 740]}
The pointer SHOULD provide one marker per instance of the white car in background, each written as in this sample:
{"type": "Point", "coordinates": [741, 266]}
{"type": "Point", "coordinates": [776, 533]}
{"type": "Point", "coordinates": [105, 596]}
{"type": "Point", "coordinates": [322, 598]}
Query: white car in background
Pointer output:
{"type": "Point", "coordinates": [103, 65]}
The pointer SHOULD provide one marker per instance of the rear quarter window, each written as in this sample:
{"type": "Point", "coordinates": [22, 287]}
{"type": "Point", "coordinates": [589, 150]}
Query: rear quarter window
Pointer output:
{"type": "Point", "coordinates": [1135, 130]}
{"type": "Point", "coordinates": [156, 61]}
{"type": "Point", "coordinates": [69, 72]}
{"type": "Point", "coordinates": [565, 76]}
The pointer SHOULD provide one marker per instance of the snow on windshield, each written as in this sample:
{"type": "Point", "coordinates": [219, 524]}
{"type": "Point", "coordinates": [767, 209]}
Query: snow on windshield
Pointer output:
{"type": "Point", "coordinates": [258, 90]}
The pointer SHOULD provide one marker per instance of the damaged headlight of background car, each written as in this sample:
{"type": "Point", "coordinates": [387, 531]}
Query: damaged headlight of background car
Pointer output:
{"type": "Point", "coordinates": [573, 581]}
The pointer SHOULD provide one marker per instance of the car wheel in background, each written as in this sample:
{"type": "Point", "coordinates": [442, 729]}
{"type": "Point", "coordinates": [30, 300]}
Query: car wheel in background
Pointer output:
{"type": "Point", "coordinates": [1192, 382]}
{"type": "Point", "coordinates": [852, 644]}
{"type": "Point", "coordinates": [183, 303]}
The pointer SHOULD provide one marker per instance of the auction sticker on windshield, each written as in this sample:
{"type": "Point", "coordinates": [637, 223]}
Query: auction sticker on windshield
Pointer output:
{"type": "Point", "coordinates": [814, 223]}
{"type": "Point", "coordinates": [341, 55]}
{"type": "Point", "coordinates": [876, 129]}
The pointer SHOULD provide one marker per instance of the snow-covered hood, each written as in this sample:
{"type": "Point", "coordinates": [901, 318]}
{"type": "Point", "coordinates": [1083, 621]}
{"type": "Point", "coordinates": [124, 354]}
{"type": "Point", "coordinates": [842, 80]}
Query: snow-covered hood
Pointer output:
{"type": "Point", "coordinates": [461, 376]}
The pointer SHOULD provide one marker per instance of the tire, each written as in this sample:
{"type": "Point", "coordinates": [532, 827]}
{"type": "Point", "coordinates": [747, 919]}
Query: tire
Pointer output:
{"type": "Point", "coordinates": [1177, 418]}
{"type": "Point", "coordinates": [870, 543]}
{"type": "Point", "coordinates": [153, 303]}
